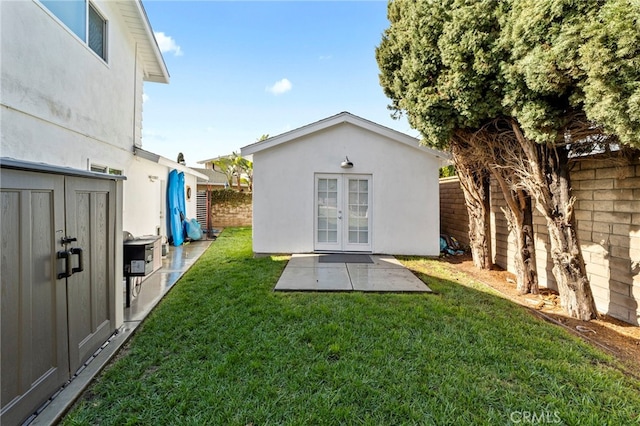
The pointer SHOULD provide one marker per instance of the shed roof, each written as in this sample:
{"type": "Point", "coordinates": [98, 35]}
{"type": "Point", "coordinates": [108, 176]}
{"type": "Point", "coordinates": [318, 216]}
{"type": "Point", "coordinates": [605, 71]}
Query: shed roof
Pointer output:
{"type": "Point", "coordinates": [343, 117]}
{"type": "Point", "coordinates": [134, 15]}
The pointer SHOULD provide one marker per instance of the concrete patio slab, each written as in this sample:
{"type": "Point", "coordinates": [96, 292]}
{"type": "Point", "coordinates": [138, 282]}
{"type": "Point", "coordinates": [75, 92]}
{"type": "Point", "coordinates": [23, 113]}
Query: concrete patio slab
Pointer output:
{"type": "Point", "coordinates": [304, 272]}
{"type": "Point", "coordinates": [311, 261]}
{"type": "Point", "coordinates": [383, 262]}
{"type": "Point", "coordinates": [385, 279]}
{"type": "Point", "coordinates": [318, 278]}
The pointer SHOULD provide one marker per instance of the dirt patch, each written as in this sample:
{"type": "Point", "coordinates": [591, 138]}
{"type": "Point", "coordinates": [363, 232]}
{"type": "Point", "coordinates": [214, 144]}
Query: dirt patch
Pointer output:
{"type": "Point", "coordinates": [620, 339]}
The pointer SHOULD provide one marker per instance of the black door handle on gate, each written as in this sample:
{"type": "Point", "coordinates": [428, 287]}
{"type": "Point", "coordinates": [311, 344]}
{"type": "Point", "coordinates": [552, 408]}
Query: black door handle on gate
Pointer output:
{"type": "Point", "coordinates": [66, 255]}
{"type": "Point", "coordinates": [78, 251]}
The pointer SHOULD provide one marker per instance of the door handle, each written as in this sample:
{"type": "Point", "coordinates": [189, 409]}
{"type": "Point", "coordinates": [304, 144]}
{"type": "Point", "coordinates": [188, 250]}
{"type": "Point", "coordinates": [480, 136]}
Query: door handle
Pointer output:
{"type": "Point", "coordinates": [66, 255]}
{"type": "Point", "coordinates": [77, 251]}
{"type": "Point", "coordinates": [67, 240]}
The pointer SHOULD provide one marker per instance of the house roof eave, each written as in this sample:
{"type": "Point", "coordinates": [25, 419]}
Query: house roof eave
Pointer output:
{"type": "Point", "coordinates": [135, 16]}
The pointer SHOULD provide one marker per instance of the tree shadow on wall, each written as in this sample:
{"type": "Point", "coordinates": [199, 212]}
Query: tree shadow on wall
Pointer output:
{"type": "Point", "coordinates": [624, 277]}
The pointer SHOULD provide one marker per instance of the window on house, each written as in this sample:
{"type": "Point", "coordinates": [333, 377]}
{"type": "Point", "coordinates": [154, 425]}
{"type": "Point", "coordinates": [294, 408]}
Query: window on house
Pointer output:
{"type": "Point", "coordinates": [97, 32]}
{"type": "Point", "coordinates": [98, 168]}
{"type": "Point", "coordinates": [84, 20]}
{"type": "Point", "coordinates": [104, 169]}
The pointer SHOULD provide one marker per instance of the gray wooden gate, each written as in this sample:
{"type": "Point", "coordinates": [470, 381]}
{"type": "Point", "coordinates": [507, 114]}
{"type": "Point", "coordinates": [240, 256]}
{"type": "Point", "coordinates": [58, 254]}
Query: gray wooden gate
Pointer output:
{"type": "Point", "coordinates": [57, 273]}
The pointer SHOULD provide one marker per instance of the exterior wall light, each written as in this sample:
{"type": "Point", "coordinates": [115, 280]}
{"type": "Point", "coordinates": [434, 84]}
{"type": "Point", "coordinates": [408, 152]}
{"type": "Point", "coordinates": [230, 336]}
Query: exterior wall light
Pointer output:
{"type": "Point", "coordinates": [346, 164]}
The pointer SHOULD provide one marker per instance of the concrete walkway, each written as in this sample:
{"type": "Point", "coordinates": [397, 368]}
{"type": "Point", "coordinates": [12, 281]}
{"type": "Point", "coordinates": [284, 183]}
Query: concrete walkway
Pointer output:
{"type": "Point", "coordinates": [307, 272]}
{"type": "Point", "coordinates": [146, 296]}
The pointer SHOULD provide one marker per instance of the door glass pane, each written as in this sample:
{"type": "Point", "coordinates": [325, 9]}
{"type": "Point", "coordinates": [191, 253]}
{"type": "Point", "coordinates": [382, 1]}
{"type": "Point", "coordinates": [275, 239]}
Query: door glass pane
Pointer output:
{"type": "Point", "coordinates": [332, 199]}
{"type": "Point", "coordinates": [358, 201]}
{"type": "Point", "coordinates": [327, 220]}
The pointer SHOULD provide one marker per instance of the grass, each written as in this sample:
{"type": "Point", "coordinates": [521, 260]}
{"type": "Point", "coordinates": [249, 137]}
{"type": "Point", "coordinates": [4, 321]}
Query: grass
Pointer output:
{"type": "Point", "coordinates": [224, 349]}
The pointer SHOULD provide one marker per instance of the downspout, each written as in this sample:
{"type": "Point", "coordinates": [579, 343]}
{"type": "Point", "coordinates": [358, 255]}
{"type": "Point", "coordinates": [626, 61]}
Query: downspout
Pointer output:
{"type": "Point", "coordinates": [135, 94]}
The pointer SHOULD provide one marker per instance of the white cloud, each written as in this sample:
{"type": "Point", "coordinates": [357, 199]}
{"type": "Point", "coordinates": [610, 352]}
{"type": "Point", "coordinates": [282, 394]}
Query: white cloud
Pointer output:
{"type": "Point", "coordinates": [280, 87]}
{"type": "Point", "coordinates": [167, 44]}
{"type": "Point", "coordinates": [145, 98]}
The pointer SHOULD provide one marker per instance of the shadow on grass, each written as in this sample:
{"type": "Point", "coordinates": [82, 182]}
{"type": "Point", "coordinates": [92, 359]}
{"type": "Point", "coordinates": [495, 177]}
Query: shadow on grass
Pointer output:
{"type": "Point", "coordinates": [224, 348]}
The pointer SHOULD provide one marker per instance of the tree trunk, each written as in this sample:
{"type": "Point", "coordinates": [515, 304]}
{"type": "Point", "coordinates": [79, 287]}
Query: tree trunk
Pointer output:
{"type": "Point", "coordinates": [520, 220]}
{"type": "Point", "coordinates": [568, 263]}
{"type": "Point", "coordinates": [529, 249]}
{"type": "Point", "coordinates": [489, 146]}
{"type": "Point", "coordinates": [551, 188]}
{"type": "Point", "coordinates": [474, 183]}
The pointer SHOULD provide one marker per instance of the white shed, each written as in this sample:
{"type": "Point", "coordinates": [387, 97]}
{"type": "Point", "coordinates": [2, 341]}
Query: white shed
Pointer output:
{"type": "Point", "coordinates": [345, 184]}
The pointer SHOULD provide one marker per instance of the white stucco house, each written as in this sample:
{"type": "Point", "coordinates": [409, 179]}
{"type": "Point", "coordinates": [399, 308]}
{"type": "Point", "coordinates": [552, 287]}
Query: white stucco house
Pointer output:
{"type": "Point", "coordinates": [73, 176]}
{"type": "Point", "coordinates": [345, 184]}
{"type": "Point", "coordinates": [75, 100]}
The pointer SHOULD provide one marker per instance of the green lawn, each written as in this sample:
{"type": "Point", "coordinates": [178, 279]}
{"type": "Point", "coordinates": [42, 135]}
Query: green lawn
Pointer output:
{"type": "Point", "coordinates": [223, 349]}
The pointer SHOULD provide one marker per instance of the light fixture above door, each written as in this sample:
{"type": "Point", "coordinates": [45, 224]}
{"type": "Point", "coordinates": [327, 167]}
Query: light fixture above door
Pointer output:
{"type": "Point", "coordinates": [346, 164]}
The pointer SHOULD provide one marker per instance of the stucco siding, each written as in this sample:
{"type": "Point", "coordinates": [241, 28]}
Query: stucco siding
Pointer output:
{"type": "Point", "coordinates": [77, 105]}
{"type": "Point", "coordinates": [63, 105]}
{"type": "Point", "coordinates": [144, 207]}
{"type": "Point", "coordinates": [405, 213]}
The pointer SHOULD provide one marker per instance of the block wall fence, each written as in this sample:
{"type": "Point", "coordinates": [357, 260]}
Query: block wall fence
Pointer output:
{"type": "Point", "coordinates": [228, 214]}
{"type": "Point", "coordinates": [607, 213]}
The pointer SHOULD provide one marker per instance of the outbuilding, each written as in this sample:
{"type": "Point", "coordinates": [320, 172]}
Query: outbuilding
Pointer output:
{"type": "Point", "coordinates": [345, 184]}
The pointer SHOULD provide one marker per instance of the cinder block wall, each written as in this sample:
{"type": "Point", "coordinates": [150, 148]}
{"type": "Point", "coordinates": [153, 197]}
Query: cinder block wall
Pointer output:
{"type": "Point", "coordinates": [454, 219]}
{"type": "Point", "coordinates": [607, 212]}
{"type": "Point", "coordinates": [502, 240]}
{"type": "Point", "coordinates": [228, 214]}
{"type": "Point", "coordinates": [608, 221]}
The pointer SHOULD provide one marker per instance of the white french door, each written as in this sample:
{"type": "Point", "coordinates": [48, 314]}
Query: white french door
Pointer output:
{"type": "Point", "coordinates": [343, 212]}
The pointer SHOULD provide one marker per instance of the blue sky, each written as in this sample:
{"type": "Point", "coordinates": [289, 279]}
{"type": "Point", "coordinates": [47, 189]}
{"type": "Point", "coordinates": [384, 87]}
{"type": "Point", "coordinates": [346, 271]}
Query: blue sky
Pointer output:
{"type": "Point", "coordinates": [243, 69]}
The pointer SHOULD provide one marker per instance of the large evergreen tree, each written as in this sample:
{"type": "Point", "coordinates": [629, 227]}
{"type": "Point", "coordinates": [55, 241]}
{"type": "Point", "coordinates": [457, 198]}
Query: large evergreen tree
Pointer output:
{"type": "Point", "coordinates": [520, 84]}
{"type": "Point", "coordinates": [445, 73]}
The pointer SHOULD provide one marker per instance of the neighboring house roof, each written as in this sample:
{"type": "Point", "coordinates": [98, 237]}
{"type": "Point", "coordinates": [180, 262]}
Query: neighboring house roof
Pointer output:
{"type": "Point", "coordinates": [343, 117]}
{"type": "Point", "coordinates": [134, 15]}
{"type": "Point", "coordinates": [215, 177]}
{"type": "Point", "coordinates": [148, 155]}
{"type": "Point", "coordinates": [211, 160]}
